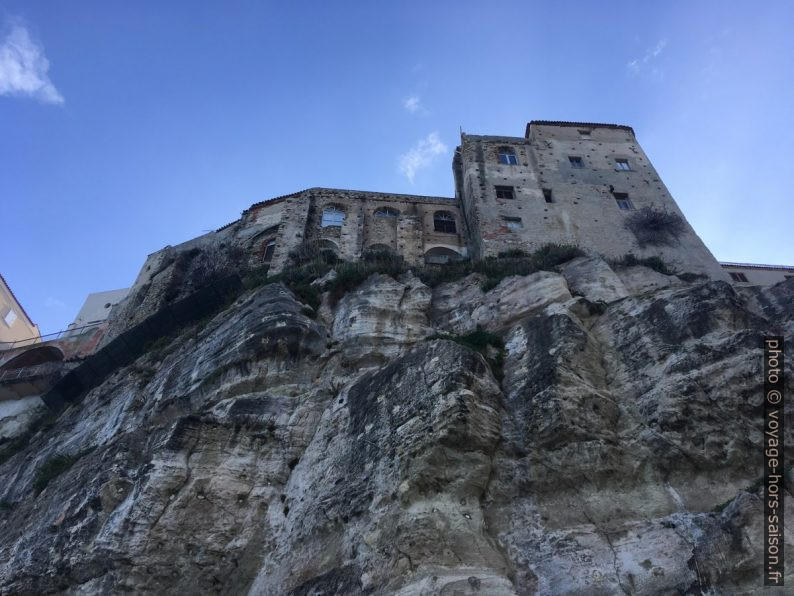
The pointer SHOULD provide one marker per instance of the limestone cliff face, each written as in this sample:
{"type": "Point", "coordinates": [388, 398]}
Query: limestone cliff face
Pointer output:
{"type": "Point", "coordinates": [365, 451]}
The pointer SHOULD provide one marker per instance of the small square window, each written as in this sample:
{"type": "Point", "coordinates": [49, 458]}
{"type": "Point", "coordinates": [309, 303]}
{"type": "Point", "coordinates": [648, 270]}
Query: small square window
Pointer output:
{"type": "Point", "coordinates": [584, 133]}
{"type": "Point", "coordinates": [10, 317]}
{"type": "Point", "coordinates": [547, 195]}
{"type": "Point", "coordinates": [623, 201]}
{"type": "Point", "coordinates": [514, 223]}
{"type": "Point", "coordinates": [622, 164]}
{"type": "Point", "coordinates": [504, 192]}
{"type": "Point", "coordinates": [736, 276]}
{"type": "Point", "coordinates": [576, 161]}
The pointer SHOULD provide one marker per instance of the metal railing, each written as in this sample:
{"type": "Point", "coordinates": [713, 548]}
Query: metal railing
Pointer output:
{"type": "Point", "coordinates": [74, 331]}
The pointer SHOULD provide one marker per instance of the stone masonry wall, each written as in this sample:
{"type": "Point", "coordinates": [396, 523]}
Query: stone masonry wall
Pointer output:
{"type": "Point", "coordinates": [583, 210]}
{"type": "Point", "coordinates": [410, 233]}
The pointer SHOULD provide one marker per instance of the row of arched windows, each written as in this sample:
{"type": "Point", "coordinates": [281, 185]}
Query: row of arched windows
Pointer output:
{"type": "Point", "coordinates": [334, 216]}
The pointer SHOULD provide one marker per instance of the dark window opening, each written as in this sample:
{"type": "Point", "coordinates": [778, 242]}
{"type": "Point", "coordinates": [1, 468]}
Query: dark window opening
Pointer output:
{"type": "Point", "coordinates": [270, 248]}
{"type": "Point", "coordinates": [444, 222]}
{"type": "Point", "coordinates": [735, 276]}
{"type": "Point", "coordinates": [576, 161]}
{"type": "Point", "coordinates": [623, 201]}
{"type": "Point", "coordinates": [547, 195]}
{"type": "Point", "coordinates": [622, 164]}
{"type": "Point", "coordinates": [440, 256]}
{"type": "Point", "coordinates": [584, 133]}
{"type": "Point", "coordinates": [504, 192]}
{"type": "Point", "coordinates": [507, 156]}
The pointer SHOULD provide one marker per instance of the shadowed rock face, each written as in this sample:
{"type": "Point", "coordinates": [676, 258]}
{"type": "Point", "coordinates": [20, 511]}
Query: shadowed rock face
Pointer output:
{"type": "Point", "coordinates": [265, 452]}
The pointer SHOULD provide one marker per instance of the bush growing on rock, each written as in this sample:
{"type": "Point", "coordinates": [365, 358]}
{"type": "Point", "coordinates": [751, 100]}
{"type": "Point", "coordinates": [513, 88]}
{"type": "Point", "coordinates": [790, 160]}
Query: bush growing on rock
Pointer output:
{"type": "Point", "coordinates": [652, 227]}
{"type": "Point", "coordinates": [52, 468]}
{"type": "Point", "coordinates": [631, 260]}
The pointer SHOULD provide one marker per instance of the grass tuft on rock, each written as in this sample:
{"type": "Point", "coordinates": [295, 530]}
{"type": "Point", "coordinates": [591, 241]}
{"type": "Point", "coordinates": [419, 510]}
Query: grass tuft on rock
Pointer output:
{"type": "Point", "coordinates": [631, 260]}
{"type": "Point", "coordinates": [488, 344]}
{"type": "Point", "coordinates": [42, 424]}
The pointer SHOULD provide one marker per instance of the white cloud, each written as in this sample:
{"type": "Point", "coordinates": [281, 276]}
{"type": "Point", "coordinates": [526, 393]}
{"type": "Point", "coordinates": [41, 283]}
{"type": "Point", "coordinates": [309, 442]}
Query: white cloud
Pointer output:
{"type": "Point", "coordinates": [414, 105]}
{"type": "Point", "coordinates": [23, 68]}
{"type": "Point", "coordinates": [421, 155]}
{"type": "Point", "coordinates": [51, 302]}
{"type": "Point", "coordinates": [637, 64]}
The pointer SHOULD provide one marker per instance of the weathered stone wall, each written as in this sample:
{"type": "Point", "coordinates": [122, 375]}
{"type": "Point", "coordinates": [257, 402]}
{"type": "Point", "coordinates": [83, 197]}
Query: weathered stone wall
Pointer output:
{"type": "Point", "coordinates": [583, 210]}
{"type": "Point", "coordinates": [410, 233]}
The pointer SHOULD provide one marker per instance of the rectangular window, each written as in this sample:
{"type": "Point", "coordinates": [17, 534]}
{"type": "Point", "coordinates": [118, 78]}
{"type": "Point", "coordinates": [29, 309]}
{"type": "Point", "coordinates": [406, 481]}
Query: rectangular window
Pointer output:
{"type": "Point", "coordinates": [508, 157]}
{"type": "Point", "coordinates": [332, 217]}
{"type": "Point", "coordinates": [270, 248]}
{"type": "Point", "coordinates": [514, 223]}
{"type": "Point", "coordinates": [623, 200]}
{"type": "Point", "coordinates": [735, 276]}
{"type": "Point", "coordinates": [576, 161]}
{"type": "Point", "coordinates": [10, 317]}
{"type": "Point", "coordinates": [504, 192]}
{"type": "Point", "coordinates": [547, 195]}
{"type": "Point", "coordinates": [622, 164]}
{"type": "Point", "coordinates": [584, 133]}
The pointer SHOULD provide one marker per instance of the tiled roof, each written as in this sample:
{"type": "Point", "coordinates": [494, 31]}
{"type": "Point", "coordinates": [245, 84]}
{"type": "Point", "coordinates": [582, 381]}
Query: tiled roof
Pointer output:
{"type": "Point", "coordinates": [276, 199]}
{"type": "Point", "coordinates": [578, 125]}
{"type": "Point", "coordinates": [758, 266]}
{"type": "Point", "coordinates": [19, 304]}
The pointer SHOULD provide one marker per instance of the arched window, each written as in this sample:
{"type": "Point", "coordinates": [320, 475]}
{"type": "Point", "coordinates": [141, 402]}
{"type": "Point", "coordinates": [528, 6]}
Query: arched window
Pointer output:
{"type": "Point", "coordinates": [444, 222]}
{"type": "Point", "coordinates": [386, 212]}
{"type": "Point", "coordinates": [507, 156]}
{"type": "Point", "coordinates": [333, 216]}
{"type": "Point", "coordinates": [440, 255]}
{"type": "Point", "coordinates": [379, 248]}
{"type": "Point", "coordinates": [328, 245]}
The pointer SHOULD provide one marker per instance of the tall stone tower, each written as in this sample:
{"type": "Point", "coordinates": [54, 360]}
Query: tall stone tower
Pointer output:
{"type": "Point", "coordinates": [573, 183]}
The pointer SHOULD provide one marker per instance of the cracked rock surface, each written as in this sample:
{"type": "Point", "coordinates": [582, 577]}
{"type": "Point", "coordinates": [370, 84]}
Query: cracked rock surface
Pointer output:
{"type": "Point", "coordinates": [267, 452]}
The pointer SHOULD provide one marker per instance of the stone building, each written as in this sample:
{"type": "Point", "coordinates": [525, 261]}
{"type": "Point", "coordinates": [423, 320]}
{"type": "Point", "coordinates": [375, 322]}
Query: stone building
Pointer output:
{"type": "Point", "coordinates": [571, 183]}
{"type": "Point", "coordinates": [751, 274]}
{"type": "Point", "coordinates": [562, 182]}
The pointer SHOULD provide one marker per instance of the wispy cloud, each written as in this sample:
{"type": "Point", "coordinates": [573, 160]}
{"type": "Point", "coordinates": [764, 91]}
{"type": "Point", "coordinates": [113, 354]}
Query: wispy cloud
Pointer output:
{"type": "Point", "coordinates": [652, 53]}
{"type": "Point", "coordinates": [51, 302]}
{"type": "Point", "coordinates": [414, 105]}
{"type": "Point", "coordinates": [421, 155]}
{"type": "Point", "coordinates": [23, 68]}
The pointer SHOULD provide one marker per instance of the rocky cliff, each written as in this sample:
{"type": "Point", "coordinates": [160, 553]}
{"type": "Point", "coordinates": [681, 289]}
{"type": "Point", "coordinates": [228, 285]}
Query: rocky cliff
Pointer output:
{"type": "Point", "coordinates": [585, 431]}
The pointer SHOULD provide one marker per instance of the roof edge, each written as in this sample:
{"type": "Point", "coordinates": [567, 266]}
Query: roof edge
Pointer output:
{"type": "Point", "coordinates": [577, 124]}
{"type": "Point", "coordinates": [351, 190]}
{"type": "Point", "coordinates": [757, 266]}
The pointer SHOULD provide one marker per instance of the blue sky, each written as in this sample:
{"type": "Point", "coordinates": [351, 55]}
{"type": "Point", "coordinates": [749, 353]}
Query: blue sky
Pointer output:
{"type": "Point", "coordinates": [127, 126]}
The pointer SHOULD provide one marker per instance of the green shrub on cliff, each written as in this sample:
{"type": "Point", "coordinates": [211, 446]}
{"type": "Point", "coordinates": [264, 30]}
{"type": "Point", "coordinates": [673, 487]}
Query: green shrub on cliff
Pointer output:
{"type": "Point", "coordinates": [53, 467]}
